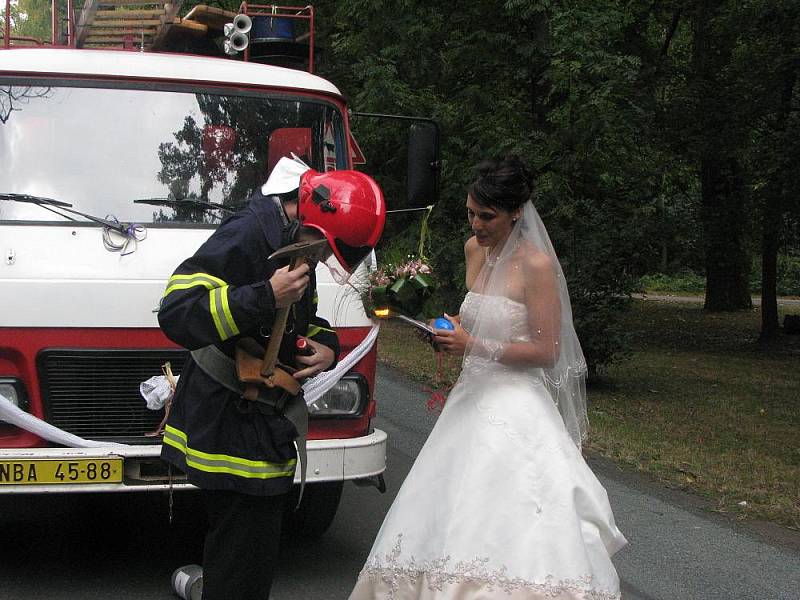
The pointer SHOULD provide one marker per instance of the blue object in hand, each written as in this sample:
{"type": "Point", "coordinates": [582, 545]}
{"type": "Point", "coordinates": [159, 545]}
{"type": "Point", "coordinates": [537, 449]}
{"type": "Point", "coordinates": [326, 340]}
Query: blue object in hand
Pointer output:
{"type": "Point", "coordinates": [442, 323]}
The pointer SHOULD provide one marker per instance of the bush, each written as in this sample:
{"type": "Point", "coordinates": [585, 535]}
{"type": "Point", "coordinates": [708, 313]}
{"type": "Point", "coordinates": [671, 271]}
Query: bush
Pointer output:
{"type": "Point", "coordinates": [597, 321]}
{"type": "Point", "coordinates": [788, 276]}
{"type": "Point", "coordinates": [685, 281]}
{"type": "Point", "coordinates": [690, 282]}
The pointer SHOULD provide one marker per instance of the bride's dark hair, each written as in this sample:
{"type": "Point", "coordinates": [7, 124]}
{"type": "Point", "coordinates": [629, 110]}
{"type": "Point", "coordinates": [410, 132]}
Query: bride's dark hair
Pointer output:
{"type": "Point", "coordinates": [505, 183]}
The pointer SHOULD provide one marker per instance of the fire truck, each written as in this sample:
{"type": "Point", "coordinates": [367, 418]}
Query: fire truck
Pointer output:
{"type": "Point", "coordinates": [124, 141]}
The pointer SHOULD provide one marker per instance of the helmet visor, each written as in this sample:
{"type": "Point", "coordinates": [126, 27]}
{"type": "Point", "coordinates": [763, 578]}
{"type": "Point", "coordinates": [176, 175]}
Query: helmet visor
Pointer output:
{"type": "Point", "coordinates": [352, 255]}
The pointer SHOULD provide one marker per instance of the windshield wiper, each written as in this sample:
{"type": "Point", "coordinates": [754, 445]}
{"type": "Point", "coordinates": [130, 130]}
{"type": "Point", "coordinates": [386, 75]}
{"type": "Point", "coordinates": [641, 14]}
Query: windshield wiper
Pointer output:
{"type": "Point", "coordinates": [184, 203]}
{"type": "Point", "coordinates": [46, 203]}
{"type": "Point", "coordinates": [34, 200]}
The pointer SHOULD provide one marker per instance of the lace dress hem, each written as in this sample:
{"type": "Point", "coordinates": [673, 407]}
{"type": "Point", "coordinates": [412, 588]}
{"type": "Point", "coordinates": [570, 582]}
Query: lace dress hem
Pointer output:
{"type": "Point", "coordinates": [420, 585]}
{"type": "Point", "coordinates": [442, 579]}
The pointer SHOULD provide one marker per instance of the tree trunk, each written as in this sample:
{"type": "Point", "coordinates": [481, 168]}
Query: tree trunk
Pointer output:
{"type": "Point", "coordinates": [540, 85]}
{"type": "Point", "coordinates": [721, 187]}
{"type": "Point", "coordinates": [727, 260]}
{"type": "Point", "coordinates": [769, 273]}
{"type": "Point", "coordinates": [662, 228]}
{"type": "Point", "coordinates": [771, 228]}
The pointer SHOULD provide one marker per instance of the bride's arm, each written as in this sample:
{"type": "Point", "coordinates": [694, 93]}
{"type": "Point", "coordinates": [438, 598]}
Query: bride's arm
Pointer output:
{"type": "Point", "coordinates": [544, 323]}
{"type": "Point", "coordinates": [544, 318]}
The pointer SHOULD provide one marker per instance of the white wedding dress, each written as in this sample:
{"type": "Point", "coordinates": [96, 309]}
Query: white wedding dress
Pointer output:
{"type": "Point", "coordinates": [499, 503]}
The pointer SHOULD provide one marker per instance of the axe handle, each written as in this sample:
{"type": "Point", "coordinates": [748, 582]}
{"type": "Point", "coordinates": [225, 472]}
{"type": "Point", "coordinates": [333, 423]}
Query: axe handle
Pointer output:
{"type": "Point", "coordinates": [278, 327]}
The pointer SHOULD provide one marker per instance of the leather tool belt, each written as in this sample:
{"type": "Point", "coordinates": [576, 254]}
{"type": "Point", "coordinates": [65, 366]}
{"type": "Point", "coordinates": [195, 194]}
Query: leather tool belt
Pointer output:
{"type": "Point", "coordinates": [291, 404]}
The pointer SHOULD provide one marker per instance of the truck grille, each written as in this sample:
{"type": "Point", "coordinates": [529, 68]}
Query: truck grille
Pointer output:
{"type": "Point", "coordinates": [94, 394]}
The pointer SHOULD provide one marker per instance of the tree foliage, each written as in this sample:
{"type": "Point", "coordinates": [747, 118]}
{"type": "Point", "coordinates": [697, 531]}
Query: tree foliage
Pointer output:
{"type": "Point", "coordinates": [33, 19]}
{"type": "Point", "coordinates": [557, 85]}
{"type": "Point", "coordinates": [663, 133]}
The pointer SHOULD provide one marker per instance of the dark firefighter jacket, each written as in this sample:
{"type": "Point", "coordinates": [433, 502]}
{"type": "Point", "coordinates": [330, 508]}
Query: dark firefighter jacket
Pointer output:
{"type": "Point", "coordinates": [220, 294]}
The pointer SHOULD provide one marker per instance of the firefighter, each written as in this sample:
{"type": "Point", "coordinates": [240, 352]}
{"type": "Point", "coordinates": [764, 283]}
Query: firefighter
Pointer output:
{"type": "Point", "coordinates": [241, 453]}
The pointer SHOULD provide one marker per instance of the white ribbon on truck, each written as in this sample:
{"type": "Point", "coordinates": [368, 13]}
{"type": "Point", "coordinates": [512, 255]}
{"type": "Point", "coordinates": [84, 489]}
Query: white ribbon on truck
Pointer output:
{"type": "Point", "coordinates": [11, 413]}
{"type": "Point", "coordinates": [314, 388]}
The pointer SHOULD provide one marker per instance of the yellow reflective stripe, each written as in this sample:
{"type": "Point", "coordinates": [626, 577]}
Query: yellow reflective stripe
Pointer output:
{"type": "Point", "coordinates": [182, 282]}
{"type": "Point", "coordinates": [227, 310]}
{"type": "Point", "coordinates": [315, 329]}
{"type": "Point", "coordinates": [315, 298]}
{"type": "Point", "coordinates": [221, 312]}
{"type": "Point", "coordinates": [222, 463]}
{"type": "Point", "coordinates": [218, 304]}
{"type": "Point", "coordinates": [177, 433]}
{"type": "Point", "coordinates": [212, 307]}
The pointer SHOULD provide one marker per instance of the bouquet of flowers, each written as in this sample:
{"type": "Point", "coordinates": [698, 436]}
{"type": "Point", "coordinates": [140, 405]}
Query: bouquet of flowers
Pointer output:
{"type": "Point", "coordinates": [401, 291]}
{"type": "Point", "coordinates": [401, 288]}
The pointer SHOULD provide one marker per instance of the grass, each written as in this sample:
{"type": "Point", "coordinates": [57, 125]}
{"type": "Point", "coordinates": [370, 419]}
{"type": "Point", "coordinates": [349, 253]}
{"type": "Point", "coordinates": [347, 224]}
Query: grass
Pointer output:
{"type": "Point", "coordinates": [700, 405]}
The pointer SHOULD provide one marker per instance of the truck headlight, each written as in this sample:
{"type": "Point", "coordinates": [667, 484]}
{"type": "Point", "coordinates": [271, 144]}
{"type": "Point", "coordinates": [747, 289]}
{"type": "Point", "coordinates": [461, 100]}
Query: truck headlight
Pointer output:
{"type": "Point", "coordinates": [348, 397]}
{"type": "Point", "coordinates": [13, 390]}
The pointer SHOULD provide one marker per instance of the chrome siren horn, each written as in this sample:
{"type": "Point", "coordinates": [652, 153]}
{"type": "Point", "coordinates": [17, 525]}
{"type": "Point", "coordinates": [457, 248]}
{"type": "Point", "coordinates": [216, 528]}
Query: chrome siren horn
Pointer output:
{"type": "Point", "coordinates": [242, 23]}
{"type": "Point", "coordinates": [239, 41]}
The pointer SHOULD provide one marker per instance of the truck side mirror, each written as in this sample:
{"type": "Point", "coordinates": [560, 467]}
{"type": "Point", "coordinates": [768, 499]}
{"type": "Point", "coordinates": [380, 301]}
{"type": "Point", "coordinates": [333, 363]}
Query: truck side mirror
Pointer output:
{"type": "Point", "coordinates": [423, 164]}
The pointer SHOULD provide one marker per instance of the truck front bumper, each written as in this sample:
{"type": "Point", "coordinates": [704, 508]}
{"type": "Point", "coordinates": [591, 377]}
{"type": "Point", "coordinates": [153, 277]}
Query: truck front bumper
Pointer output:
{"type": "Point", "coordinates": [143, 470]}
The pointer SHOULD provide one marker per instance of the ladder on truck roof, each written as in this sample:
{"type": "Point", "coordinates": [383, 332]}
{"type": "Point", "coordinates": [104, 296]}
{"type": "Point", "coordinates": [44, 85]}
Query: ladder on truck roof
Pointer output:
{"type": "Point", "coordinates": [155, 25]}
{"type": "Point", "coordinates": [140, 24]}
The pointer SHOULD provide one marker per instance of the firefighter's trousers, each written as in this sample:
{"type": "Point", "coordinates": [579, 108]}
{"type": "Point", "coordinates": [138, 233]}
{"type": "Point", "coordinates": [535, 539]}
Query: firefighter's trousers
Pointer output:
{"type": "Point", "coordinates": [241, 544]}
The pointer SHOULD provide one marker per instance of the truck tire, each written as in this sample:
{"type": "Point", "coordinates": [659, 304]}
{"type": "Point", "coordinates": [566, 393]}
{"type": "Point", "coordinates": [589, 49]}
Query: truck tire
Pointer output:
{"type": "Point", "coordinates": [316, 511]}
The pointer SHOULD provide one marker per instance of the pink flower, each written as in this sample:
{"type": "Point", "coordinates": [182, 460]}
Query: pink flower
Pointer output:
{"type": "Point", "coordinates": [411, 268]}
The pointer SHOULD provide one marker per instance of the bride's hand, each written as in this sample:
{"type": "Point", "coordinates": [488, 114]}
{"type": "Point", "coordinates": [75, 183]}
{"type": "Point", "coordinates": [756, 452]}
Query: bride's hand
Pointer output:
{"type": "Point", "coordinates": [452, 342]}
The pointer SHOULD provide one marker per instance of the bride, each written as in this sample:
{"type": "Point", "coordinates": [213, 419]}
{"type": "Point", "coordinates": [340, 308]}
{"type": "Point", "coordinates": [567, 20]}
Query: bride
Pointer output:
{"type": "Point", "coordinates": [500, 503]}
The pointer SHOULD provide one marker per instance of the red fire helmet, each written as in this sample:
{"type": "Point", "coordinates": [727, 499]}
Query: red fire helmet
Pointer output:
{"type": "Point", "coordinates": [347, 207]}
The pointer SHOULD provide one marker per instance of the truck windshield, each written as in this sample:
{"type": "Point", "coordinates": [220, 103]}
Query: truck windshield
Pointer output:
{"type": "Point", "coordinates": [153, 156]}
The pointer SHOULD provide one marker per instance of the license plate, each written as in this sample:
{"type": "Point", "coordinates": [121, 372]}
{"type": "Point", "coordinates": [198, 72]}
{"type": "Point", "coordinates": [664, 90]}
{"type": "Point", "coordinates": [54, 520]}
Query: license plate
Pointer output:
{"type": "Point", "coordinates": [48, 472]}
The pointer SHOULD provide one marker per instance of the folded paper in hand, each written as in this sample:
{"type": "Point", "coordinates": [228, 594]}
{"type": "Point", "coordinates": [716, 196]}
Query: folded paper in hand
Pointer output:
{"type": "Point", "coordinates": [424, 327]}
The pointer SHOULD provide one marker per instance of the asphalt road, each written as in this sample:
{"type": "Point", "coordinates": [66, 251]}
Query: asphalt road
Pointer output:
{"type": "Point", "coordinates": [123, 547]}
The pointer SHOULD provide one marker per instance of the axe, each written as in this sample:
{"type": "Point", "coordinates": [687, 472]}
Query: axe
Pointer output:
{"type": "Point", "coordinates": [298, 252]}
